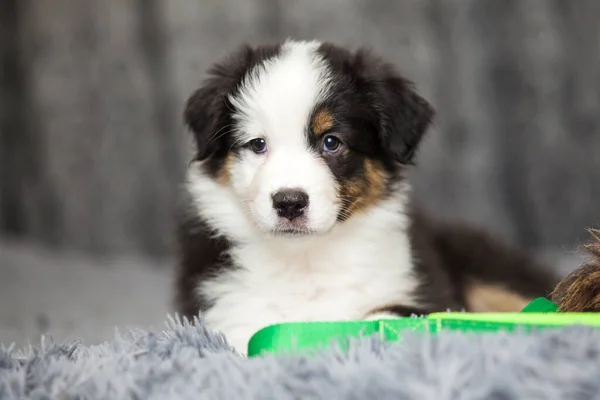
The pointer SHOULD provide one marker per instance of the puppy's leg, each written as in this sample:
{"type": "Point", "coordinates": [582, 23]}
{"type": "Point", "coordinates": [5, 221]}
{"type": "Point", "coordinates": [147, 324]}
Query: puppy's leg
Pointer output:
{"type": "Point", "coordinates": [580, 290]}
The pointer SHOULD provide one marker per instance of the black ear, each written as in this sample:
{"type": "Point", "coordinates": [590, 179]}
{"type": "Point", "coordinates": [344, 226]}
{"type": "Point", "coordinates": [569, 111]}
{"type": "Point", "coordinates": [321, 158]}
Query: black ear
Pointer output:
{"type": "Point", "coordinates": [206, 116]}
{"type": "Point", "coordinates": [404, 115]}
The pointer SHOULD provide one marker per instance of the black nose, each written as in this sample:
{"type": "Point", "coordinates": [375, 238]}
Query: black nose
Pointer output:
{"type": "Point", "coordinates": [290, 203]}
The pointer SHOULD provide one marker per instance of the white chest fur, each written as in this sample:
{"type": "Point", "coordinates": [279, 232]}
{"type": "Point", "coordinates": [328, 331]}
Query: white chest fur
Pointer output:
{"type": "Point", "coordinates": [364, 265]}
{"type": "Point", "coordinates": [357, 267]}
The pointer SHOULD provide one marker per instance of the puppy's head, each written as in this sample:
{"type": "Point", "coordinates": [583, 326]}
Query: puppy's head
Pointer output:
{"type": "Point", "coordinates": [305, 134]}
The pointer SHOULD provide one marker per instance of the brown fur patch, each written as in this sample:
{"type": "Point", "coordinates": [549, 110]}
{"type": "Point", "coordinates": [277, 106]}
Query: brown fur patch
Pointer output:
{"type": "Point", "coordinates": [322, 122]}
{"type": "Point", "coordinates": [363, 192]}
{"type": "Point", "coordinates": [579, 291]}
{"type": "Point", "coordinates": [482, 297]}
{"type": "Point", "coordinates": [224, 177]}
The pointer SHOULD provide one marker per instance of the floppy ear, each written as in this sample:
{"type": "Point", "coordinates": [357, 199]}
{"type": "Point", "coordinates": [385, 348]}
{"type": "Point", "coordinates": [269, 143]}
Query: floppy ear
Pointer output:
{"type": "Point", "coordinates": [205, 115]}
{"type": "Point", "coordinates": [404, 115]}
{"type": "Point", "coordinates": [207, 111]}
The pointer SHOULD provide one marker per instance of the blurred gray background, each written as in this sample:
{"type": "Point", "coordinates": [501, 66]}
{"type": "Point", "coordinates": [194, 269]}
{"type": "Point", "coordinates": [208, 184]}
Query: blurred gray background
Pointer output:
{"type": "Point", "coordinates": [92, 147]}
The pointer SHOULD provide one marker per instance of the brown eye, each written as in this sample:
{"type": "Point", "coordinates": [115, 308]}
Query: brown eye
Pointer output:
{"type": "Point", "coordinates": [258, 145]}
{"type": "Point", "coordinates": [331, 144]}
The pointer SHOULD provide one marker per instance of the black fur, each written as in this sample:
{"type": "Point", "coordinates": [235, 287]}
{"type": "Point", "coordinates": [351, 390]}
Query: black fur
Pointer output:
{"type": "Point", "coordinates": [379, 116]}
{"type": "Point", "coordinates": [202, 255]}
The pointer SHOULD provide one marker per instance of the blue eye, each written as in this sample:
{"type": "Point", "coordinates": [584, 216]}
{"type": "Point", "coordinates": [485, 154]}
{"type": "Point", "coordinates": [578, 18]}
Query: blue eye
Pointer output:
{"type": "Point", "coordinates": [258, 145]}
{"type": "Point", "coordinates": [331, 144]}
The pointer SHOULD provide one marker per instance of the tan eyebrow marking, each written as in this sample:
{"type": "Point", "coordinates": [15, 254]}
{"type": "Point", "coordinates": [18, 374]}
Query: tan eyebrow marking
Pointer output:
{"type": "Point", "coordinates": [322, 122]}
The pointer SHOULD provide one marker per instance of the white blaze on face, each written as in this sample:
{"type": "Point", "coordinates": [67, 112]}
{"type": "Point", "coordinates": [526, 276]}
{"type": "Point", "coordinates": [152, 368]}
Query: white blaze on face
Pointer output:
{"type": "Point", "coordinates": [275, 103]}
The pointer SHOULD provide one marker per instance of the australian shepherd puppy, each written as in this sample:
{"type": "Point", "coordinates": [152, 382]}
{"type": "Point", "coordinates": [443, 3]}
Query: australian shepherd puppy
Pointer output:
{"type": "Point", "coordinates": [297, 205]}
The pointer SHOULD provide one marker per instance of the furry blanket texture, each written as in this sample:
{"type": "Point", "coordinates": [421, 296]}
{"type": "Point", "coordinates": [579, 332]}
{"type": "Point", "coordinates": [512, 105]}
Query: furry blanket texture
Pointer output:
{"type": "Point", "coordinates": [188, 362]}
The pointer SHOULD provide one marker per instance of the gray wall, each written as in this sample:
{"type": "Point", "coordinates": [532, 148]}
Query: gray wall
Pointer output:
{"type": "Point", "coordinates": [92, 148]}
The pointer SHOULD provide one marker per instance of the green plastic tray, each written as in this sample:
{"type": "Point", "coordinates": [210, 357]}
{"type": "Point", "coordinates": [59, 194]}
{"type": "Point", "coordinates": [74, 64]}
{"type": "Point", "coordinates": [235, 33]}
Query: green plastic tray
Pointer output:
{"type": "Point", "coordinates": [305, 336]}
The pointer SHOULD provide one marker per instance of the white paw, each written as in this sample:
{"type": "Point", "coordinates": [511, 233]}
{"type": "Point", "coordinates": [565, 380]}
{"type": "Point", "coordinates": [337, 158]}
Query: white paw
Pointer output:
{"type": "Point", "coordinates": [381, 315]}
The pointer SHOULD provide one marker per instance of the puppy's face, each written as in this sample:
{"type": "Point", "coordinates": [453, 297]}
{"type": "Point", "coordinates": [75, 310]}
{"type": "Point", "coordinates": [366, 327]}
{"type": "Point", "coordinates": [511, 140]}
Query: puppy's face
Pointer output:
{"type": "Point", "coordinates": [304, 134]}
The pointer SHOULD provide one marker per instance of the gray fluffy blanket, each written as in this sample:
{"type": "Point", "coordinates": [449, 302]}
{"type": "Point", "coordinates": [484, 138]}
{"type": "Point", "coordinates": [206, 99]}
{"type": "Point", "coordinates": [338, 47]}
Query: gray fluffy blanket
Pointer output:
{"type": "Point", "coordinates": [187, 362]}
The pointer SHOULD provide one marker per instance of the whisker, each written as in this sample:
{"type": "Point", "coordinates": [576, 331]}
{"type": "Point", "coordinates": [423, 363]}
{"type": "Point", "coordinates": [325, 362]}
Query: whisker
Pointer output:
{"type": "Point", "coordinates": [214, 137]}
{"type": "Point", "coordinates": [225, 100]}
{"type": "Point", "coordinates": [235, 142]}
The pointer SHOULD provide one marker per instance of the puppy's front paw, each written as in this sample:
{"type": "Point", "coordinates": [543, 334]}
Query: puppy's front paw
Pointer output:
{"type": "Point", "coordinates": [380, 315]}
{"type": "Point", "coordinates": [579, 291]}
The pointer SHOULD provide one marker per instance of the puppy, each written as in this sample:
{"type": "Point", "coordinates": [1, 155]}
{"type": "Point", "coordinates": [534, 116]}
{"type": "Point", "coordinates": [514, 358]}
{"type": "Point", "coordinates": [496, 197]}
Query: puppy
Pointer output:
{"type": "Point", "coordinates": [297, 206]}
